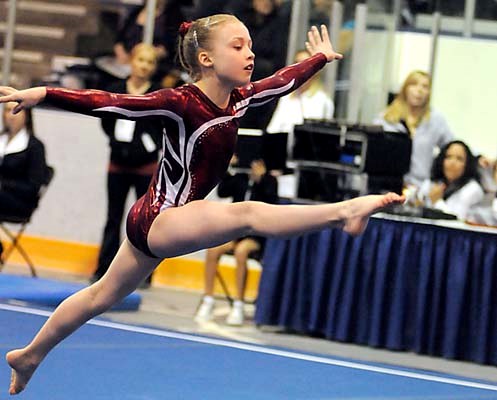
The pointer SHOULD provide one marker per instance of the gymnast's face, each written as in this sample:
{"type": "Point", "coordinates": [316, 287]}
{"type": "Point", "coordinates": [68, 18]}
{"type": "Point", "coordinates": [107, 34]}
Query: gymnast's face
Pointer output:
{"type": "Point", "coordinates": [454, 162]}
{"type": "Point", "coordinates": [231, 55]}
{"type": "Point", "coordinates": [13, 123]}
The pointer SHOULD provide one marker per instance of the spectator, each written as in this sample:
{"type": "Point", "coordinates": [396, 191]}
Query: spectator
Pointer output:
{"type": "Point", "coordinates": [269, 34]}
{"type": "Point", "coordinates": [134, 153]}
{"type": "Point", "coordinates": [259, 186]}
{"type": "Point", "coordinates": [410, 113]}
{"type": "Point", "coordinates": [454, 186]}
{"type": "Point", "coordinates": [486, 212]}
{"type": "Point", "coordinates": [494, 201]}
{"type": "Point", "coordinates": [204, 8]}
{"type": "Point", "coordinates": [168, 17]}
{"type": "Point", "coordinates": [23, 166]}
{"type": "Point", "coordinates": [310, 101]}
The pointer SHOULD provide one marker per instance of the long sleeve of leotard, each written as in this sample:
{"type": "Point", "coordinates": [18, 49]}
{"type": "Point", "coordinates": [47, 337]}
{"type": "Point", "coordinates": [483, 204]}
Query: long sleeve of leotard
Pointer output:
{"type": "Point", "coordinates": [283, 81]}
{"type": "Point", "coordinates": [100, 104]}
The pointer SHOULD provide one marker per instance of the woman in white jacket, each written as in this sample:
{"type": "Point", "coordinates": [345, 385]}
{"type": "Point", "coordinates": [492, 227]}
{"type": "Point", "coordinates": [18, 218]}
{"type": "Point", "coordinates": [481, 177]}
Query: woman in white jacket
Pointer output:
{"type": "Point", "coordinates": [454, 186]}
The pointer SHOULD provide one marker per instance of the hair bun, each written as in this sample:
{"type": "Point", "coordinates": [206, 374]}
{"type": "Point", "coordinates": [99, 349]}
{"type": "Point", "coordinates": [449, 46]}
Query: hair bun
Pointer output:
{"type": "Point", "coordinates": [184, 27]}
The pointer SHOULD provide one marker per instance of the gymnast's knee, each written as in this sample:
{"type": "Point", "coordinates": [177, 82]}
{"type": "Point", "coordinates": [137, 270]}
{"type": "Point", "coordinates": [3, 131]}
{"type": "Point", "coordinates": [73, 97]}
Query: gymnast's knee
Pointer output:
{"type": "Point", "coordinates": [247, 214]}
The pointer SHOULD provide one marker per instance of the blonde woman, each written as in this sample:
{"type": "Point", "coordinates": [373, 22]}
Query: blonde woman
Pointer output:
{"type": "Point", "coordinates": [410, 112]}
{"type": "Point", "coordinates": [134, 153]}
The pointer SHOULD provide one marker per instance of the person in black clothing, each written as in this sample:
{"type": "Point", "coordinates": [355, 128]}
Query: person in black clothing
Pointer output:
{"type": "Point", "coordinates": [259, 185]}
{"type": "Point", "coordinates": [23, 167]}
{"type": "Point", "coordinates": [134, 151]}
{"type": "Point", "coordinates": [204, 8]}
{"type": "Point", "coordinates": [269, 31]}
{"type": "Point", "coordinates": [168, 17]}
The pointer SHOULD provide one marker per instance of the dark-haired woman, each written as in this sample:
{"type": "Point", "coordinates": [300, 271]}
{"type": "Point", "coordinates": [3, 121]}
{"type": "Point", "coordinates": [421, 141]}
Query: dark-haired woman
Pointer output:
{"type": "Point", "coordinates": [134, 153]}
{"type": "Point", "coordinates": [22, 164]}
{"type": "Point", "coordinates": [454, 186]}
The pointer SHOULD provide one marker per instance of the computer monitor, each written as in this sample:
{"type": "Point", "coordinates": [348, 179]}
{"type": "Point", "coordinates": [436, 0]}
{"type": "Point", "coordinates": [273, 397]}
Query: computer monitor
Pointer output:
{"type": "Point", "coordinates": [248, 147]}
{"type": "Point", "coordinates": [274, 150]}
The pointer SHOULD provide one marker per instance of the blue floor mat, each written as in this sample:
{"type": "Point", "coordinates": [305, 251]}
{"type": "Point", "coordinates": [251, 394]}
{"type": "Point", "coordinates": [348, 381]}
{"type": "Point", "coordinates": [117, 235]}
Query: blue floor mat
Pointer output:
{"type": "Point", "coordinates": [50, 293]}
{"type": "Point", "coordinates": [105, 360]}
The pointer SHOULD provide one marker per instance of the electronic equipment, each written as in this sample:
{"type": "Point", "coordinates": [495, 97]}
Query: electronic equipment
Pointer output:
{"type": "Point", "coordinates": [253, 144]}
{"type": "Point", "coordinates": [336, 161]}
{"type": "Point", "coordinates": [248, 147]}
{"type": "Point", "coordinates": [354, 148]}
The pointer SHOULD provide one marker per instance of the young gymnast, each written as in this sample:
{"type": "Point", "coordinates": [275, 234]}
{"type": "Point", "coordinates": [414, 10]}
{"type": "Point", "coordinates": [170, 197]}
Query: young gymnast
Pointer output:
{"type": "Point", "coordinates": [199, 122]}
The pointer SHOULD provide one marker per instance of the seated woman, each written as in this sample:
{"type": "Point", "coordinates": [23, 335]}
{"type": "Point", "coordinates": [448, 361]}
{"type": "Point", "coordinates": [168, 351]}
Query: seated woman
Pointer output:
{"type": "Point", "coordinates": [23, 167]}
{"type": "Point", "coordinates": [494, 200]}
{"type": "Point", "coordinates": [454, 186]}
{"type": "Point", "coordinates": [486, 212]}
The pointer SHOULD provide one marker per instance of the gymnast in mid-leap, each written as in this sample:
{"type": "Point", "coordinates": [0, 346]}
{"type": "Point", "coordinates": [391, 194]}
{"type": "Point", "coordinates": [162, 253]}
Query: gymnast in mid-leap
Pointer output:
{"type": "Point", "coordinates": [199, 122]}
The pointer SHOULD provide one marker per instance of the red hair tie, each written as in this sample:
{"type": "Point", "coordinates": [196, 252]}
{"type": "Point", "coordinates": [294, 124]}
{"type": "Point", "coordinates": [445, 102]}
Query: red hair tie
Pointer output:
{"type": "Point", "coordinates": [183, 28]}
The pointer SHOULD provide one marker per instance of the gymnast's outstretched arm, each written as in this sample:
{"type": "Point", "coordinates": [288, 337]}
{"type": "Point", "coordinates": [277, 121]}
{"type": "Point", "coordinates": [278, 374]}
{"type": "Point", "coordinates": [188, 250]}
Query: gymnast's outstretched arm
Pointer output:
{"type": "Point", "coordinates": [293, 76]}
{"type": "Point", "coordinates": [97, 103]}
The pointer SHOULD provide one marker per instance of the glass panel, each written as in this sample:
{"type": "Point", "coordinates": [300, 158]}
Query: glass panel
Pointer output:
{"type": "Point", "coordinates": [344, 45]}
{"type": "Point", "coordinates": [377, 58]}
{"type": "Point", "coordinates": [485, 24]}
{"type": "Point", "coordinates": [453, 15]}
{"type": "Point", "coordinates": [453, 8]}
{"type": "Point", "coordinates": [486, 9]}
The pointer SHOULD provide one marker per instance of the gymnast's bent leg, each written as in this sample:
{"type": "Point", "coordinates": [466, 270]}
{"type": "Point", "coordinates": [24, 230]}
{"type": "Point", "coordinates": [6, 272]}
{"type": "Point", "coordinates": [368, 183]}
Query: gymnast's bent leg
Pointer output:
{"type": "Point", "coordinates": [202, 224]}
{"type": "Point", "coordinates": [128, 269]}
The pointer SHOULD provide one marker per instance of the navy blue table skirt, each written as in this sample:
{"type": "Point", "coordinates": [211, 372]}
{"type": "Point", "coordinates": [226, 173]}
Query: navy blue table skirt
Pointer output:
{"type": "Point", "coordinates": [401, 285]}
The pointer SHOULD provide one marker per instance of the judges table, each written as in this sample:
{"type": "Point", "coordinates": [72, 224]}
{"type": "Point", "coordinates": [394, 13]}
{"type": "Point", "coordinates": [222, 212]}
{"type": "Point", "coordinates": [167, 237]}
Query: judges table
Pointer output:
{"type": "Point", "coordinates": [404, 284]}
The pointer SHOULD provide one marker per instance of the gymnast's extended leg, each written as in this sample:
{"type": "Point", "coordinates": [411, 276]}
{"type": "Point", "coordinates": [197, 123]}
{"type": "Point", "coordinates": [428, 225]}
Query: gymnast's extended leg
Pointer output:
{"type": "Point", "coordinates": [128, 269]}
{"type": "Point", "coordinates": [202, 224]}
{"type": "Point", "coordinates": [178, 231]}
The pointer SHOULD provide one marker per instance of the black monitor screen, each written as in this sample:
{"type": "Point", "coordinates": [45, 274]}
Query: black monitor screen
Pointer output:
{"type": "Point", "coordinates": [248, 147]}
{"type": "Point", "coordinates": [274, 150]}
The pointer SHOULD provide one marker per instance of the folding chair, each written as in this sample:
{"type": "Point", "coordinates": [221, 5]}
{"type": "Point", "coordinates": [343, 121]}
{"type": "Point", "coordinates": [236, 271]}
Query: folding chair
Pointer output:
{"type": "Point", "coordinates": [22, 222]}
{"type": "Point", "coordinates": [255, 255]}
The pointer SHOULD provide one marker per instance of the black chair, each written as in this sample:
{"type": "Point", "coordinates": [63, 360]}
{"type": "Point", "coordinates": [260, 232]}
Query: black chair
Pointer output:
{"type": "Point", "coordinates": [22, 223]}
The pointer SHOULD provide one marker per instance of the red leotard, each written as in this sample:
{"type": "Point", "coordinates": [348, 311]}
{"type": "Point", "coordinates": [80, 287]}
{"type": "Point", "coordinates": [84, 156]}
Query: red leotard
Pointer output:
{"type": "Point", "coordinates": [199, 137]}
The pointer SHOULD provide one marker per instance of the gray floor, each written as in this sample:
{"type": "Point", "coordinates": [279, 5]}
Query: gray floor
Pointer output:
{"type": "Point", "coordinates": [170, 308]}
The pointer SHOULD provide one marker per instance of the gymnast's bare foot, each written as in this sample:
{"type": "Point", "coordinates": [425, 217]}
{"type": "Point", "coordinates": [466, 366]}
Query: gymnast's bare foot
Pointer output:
{"type": "Point", "coordinates": [22, 370]}
{"type": "Point", "coordinates": [360, 209]}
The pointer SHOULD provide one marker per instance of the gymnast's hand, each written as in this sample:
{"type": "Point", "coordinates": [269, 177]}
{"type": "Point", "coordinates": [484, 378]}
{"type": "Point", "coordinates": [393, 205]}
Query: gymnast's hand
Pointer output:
{"type": "Point", "coordinates": [320, 43]}
{"type": "Point", "coordinates": [25, 98]}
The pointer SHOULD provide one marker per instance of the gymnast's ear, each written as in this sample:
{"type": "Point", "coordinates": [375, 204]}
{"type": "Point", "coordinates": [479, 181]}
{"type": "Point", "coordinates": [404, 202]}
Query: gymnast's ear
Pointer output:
{"type": "Point", "coordinates": [204, 59]}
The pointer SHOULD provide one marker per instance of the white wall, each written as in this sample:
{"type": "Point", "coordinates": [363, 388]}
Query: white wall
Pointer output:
{"type": "Point", "coordinates": [465, 88]}
{"type": "Point", "coordinates": [74, 206]}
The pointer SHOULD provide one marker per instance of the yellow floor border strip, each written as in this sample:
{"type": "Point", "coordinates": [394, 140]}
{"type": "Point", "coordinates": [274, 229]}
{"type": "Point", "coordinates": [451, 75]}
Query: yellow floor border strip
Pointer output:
{"type": "Point", "coordinates": [81, 259]}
